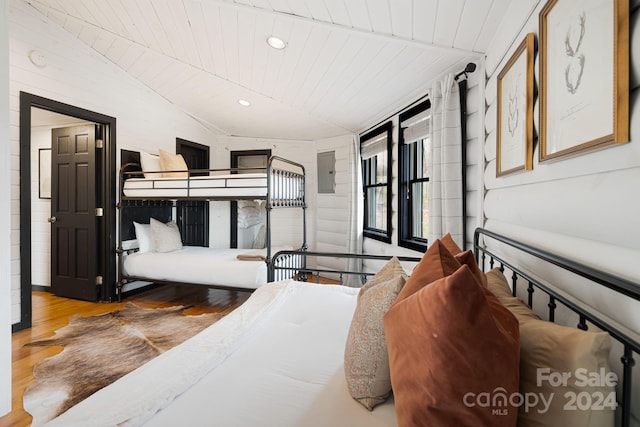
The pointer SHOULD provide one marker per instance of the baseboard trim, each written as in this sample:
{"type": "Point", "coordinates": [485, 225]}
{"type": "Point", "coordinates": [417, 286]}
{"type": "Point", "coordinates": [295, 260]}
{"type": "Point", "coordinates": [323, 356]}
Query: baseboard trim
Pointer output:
{"type": "Point", "coordinates": [140, 290]}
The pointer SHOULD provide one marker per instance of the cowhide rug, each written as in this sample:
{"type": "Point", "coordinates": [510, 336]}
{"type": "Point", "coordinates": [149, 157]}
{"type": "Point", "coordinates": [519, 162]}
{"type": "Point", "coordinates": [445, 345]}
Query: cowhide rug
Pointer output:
{"type": "Point", "coordinates": [100, 349]}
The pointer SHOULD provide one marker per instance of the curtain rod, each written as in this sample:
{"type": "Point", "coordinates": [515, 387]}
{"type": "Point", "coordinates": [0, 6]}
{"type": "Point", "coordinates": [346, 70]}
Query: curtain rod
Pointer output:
{"type": "Point", "coordinates": [470, 68]}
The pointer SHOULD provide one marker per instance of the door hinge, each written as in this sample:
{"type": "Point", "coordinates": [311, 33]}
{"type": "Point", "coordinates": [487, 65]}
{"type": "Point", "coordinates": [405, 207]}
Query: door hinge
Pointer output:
{"type": "Point", "coordinates": [99, 212]}
{"type": "Point", "coordinates": [98, 280]}
{"type": "Point", "coordinates": [99, 143]}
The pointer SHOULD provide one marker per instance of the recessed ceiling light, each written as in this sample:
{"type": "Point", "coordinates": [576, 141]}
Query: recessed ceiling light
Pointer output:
{"type": "Point", "coordinates": [244, 103]}
{"type": "Point", "coordinates": [276, 42]}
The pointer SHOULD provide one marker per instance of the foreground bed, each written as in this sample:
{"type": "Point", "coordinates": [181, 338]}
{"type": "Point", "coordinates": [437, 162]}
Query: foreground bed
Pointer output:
{"type": "Point", "coordinates": [248, 356]}
{"type": "Point", "coordinates": [279, 359]}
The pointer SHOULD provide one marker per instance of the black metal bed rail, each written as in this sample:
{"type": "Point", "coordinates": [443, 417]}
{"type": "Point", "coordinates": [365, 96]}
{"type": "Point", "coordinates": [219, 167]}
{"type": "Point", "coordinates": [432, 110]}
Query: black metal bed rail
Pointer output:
{"type": "Point", "coordinates": [289, 185]}
{"type": "Point", "coordinates": [629, 339]}
{"type": "Point", "coordinates": [292, 263]}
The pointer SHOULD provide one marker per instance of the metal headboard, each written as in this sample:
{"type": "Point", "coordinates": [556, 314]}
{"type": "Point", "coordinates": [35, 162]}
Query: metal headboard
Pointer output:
{"type": "Point", "coordinates": [302, 264]}
{"type": "Point", "coordinates": [628, 339]}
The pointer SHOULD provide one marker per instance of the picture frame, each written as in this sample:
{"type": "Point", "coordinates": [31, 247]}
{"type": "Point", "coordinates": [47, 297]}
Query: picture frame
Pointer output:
{"type": "Point", "coordinates": [514, 140]}
{"type": "Point", "coordinates": [584, 77]}
{"type": "Point", "coordinates": [44, 173]}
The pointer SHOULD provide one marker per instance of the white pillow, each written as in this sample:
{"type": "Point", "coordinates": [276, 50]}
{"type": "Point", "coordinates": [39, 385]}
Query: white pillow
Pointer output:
{"type": "Point", "coordinates": [150, 163]}
{"type": "Point", "coordinates": [143, 236]}
{"type": "Point", "coordinates": [165, 237]}
{"type": "Point", "coordinates": [259, 241]}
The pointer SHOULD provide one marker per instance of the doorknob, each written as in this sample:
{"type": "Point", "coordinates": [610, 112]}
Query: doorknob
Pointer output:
{"type": "Point", "coordinates": [52, 219]}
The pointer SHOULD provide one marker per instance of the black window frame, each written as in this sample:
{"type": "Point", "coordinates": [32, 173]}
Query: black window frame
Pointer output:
{"type": "Point", "coordinates": [405, 181]}
{"type": "Point", "coordinates": [370, 232]}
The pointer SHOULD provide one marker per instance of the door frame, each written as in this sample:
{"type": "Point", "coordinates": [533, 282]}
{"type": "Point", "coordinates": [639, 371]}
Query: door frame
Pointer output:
{"type": "Point", "coordinates": [206, 151]}
{"type": "Point", "coordinates": [106, 228]}
{"type": "Point", "coordinates": [233, 206]}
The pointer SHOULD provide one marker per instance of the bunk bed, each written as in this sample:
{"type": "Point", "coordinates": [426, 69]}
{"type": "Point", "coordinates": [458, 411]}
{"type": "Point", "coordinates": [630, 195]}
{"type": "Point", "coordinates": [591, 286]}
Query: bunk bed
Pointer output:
{"type": "Point", "coordinates": [279, 358]}
{"type": "Point", "coordinates": [148, 199]}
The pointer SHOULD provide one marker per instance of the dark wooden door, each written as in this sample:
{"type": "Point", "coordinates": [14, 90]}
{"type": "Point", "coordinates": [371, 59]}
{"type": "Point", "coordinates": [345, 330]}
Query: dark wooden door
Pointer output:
{"type": "Point", "coordinates": [74, 225]}
{"type": "Point", "coordinates": [193, 216]}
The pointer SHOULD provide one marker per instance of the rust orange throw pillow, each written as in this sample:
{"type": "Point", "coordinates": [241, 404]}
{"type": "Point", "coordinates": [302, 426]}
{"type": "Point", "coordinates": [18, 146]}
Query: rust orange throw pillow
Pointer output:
{"type": "Point", "coordinates": [450, 349]}
{"type": "Point", "coordinates": [467, 258]}
{"type": "Point", "coordinates": [435, 264]}
{"type": "Point", "coordinates": [450, 244]}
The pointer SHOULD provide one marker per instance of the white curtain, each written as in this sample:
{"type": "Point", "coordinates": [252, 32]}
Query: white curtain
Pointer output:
{"type": "Point", "coordinates": [354, 242]}
{"type": "Point", "coordinates": [445, 169]}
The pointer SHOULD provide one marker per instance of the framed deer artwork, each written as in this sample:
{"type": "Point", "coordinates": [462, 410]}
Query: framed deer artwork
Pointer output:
{"type": "Point", "coordinates": [584, 76]}
{"type": "Point", "coordinates": [515, 111]}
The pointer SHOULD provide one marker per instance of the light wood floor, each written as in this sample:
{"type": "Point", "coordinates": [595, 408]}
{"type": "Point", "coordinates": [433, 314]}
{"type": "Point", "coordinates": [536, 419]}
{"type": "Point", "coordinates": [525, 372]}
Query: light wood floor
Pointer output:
{"type": "Point", "coordinates": [51, 312]}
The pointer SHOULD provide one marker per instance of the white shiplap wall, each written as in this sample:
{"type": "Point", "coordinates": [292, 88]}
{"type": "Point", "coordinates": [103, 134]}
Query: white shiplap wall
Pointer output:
{"type": "Point", "coordinates": [77, 75]}
{"type": "Point", "coordinates": [40, 212]}
{"type": "Point", "coordinates": [584, 208]}
{"type": "Point", "coordinates": [5, 188]}
{"type": "Point", "coordinates": [581, 202]}
{"type": "Point", "coordinates": [333, 209]}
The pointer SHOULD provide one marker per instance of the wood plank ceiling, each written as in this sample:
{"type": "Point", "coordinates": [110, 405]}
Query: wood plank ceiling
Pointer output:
{"type": "Point", "coordinates": [347, 64]}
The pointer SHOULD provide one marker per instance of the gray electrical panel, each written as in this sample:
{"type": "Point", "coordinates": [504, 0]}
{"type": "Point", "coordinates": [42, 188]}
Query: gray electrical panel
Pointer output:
{"type": "Point", "coordinates": [327, 172]}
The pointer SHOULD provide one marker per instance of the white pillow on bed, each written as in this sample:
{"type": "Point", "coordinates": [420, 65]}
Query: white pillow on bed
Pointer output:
{"type": "Point", "coordinates": [150, 163]}
{"type": "Point", "coordinates": [143, 236]}
{"type": "Point", "coordinates": [165, 237]}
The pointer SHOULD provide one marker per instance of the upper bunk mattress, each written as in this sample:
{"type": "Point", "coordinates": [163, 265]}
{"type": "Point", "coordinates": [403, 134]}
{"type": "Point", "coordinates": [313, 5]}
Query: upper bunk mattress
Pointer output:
{"type": "Point", "coordinates": [215, 186]}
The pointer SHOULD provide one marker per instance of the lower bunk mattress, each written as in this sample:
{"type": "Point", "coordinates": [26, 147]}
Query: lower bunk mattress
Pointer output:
{"type": "Point", "coordinates": [199, 265]}
{"type": "Point", "coordinates": [277, 360]}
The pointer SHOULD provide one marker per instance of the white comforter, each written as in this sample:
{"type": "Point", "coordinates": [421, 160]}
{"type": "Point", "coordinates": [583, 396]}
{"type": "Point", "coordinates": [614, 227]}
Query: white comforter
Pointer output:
{"type": "Point", "coordinates": [275, 361]}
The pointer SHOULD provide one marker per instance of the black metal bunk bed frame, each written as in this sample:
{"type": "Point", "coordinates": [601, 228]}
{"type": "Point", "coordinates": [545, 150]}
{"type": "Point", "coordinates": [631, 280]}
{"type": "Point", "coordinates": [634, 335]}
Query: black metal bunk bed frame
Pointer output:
{"type": "Point", "coordinates": [300, 264]}
{"type": "Point", "coordinates": [279, 182]}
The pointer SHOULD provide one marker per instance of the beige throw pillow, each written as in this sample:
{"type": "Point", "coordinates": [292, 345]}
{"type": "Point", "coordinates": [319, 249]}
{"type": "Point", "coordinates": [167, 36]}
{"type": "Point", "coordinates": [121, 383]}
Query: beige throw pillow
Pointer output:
{"type": "Point", "coordinates": [549, 351]}
{"type": "Point", "coordinates": [173, 165]}
{"type": "Point", "coordinates": [366, 361]}
{"type": "Point", "coordinates": [391, 269]}
{"type": "Point", "coordinates": [497, 284]}
{"type": "Point", "coordinates": [165, 237]}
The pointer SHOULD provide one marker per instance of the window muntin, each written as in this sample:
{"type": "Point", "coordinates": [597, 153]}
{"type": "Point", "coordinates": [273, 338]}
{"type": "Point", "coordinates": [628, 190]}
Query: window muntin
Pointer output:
{"type": "Point", "coordinates": [414, 150]}
{"type": "Point", "coordinates": [375, 149]}
{"type": "Point", "coordinates": [418, 186]}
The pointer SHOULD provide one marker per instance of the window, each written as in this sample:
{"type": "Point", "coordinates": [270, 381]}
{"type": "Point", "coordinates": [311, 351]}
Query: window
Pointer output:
{"type": "Point", "coordinates": [375, 149]}
{"type": "Point", "coordinates": [414, 150]}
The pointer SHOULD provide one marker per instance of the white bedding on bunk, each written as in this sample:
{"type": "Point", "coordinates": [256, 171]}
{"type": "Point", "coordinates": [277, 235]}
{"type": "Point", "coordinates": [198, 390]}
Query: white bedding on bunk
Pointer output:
{"type": "Point", "coordinates": [277, 360]}
{"type": "Point", "coordinates": [200, 265]}
{"type": "Point", "coordinates": [232, 185]}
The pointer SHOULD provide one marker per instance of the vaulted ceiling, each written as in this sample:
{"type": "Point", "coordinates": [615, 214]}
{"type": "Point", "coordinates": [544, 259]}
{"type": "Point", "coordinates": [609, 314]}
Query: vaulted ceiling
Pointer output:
{"type": "Point", "coordinates": [346, 65]}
